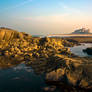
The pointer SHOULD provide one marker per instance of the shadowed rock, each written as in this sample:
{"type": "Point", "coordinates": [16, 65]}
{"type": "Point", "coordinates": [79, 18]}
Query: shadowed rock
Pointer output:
{"type": "Point", "coordinates": [88, 51]}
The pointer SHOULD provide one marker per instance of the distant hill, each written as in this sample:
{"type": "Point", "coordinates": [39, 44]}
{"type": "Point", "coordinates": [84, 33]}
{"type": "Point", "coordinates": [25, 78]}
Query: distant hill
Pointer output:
{"type": "Point", "coordinates": [9, 34]}
{"type": "Point", "coordinates": [82, 31]}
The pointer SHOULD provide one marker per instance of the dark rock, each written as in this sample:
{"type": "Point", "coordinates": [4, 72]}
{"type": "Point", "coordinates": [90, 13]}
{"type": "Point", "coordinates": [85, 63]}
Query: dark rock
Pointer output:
{"type": "Point", "coordinates": [88, 51]}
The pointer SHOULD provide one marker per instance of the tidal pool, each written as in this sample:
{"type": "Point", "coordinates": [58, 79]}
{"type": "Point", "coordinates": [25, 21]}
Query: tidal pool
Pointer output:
{"type": "Point", "coordinates": [20, 79]}
{"type": "Point", "coordinates": [78, 50]}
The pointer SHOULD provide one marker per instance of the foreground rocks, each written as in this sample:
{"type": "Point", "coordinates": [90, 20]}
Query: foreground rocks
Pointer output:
{"type": "Point", "coordinates": [65, 70]}
{"type": "Point", "coordinates": [73, 73]}
{"type": "Point", "coordinates": [48, 56]}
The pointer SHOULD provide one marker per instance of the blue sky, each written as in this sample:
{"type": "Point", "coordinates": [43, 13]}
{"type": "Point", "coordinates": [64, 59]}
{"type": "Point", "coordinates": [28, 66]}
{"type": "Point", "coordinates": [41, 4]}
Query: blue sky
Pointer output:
{"type": "Point", "coordinates": [46, 16]}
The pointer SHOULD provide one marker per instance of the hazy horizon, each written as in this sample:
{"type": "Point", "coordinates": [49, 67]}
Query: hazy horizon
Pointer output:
{"type": "Point", "coordinates": [42, 17]}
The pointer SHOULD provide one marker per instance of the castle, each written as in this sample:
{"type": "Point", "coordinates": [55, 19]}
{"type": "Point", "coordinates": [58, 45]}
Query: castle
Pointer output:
{"type": "Point", "coordinates": [82, 31]}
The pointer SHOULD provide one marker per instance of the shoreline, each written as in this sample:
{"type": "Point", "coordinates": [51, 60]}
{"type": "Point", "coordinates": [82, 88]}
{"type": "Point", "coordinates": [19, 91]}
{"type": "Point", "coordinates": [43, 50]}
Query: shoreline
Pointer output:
{"type": "Point", "coordinates": [46, 55]}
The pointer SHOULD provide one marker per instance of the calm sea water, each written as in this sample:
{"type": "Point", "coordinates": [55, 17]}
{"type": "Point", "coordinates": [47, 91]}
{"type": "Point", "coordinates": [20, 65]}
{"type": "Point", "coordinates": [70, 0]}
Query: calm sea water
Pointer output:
{"type": "Point", "coordinates": [78, 50]}
{"type": "Point", "coordinates": [20, 79]}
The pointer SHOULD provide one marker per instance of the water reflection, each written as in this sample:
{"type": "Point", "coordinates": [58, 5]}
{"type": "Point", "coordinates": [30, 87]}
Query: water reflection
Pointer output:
{"type": "Point", "coordinates": [78, 50]}
{"type": "Point", "coordinates": [20, 79]}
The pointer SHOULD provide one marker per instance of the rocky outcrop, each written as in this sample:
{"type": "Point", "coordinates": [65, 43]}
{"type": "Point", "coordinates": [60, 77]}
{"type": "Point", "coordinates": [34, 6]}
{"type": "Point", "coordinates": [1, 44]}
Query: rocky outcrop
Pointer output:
{"type": "Point", "coordinates": [88, 51]}
{"type": "Point", "coordinates": [33, 48]}
{"type": "Point", "coordinates": [46, 55]}
{"type": "Point", "coordinates": [64, 70]}
{"type": "Point", "coordinates": [73, 72]}
{"type": "Point", "coordinates": [9, 34]}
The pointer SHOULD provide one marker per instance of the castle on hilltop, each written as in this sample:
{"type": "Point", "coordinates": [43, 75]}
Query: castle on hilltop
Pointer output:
{"type": "Point", "coordinates": [82, 31]}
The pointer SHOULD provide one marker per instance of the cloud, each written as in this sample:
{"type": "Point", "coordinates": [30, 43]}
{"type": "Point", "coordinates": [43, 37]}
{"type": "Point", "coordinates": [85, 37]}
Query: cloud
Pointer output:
{"type": "Point", "coordinates": [50, 18]}
{"type": "Point", "coordinates": [70, 10]}
{"type": "Point", "coordinates": [58, 18]}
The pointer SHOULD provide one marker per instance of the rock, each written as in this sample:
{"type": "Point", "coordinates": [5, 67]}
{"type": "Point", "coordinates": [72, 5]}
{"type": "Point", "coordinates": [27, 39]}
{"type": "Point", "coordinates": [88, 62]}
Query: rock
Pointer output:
{"type": "Point", "coordinates": [12, 49]}
{"type": "Point", "coordinates": [6, 53]}
{"type": "Point", "coordinates": [70, 74]}
{"type": "Point", "coordinates": [88, 51]}
{"type": "Point", "coordinates": [9, 34]}
{"type": "Point", "coordinates": [49, 89]}
{"type": "Point", "coordinates": [28, 57]}
{"type": "Point", "coordinates": [84, 83]}
{"type": "Point", "coordinates": [55, 75]}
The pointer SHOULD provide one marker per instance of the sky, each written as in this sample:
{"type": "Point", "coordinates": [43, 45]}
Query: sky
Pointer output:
{"type": "Point", "coordinates": [42, 17]}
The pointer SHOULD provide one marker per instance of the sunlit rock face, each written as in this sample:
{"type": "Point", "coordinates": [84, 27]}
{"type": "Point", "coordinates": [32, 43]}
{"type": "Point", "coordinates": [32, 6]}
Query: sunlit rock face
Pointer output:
{"type": "Point", "coordinates": [73, 72]}
{"type": "Point", "coordinates": [9, 34]}
{"type": "Point", "coordinates": [30, 49]}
